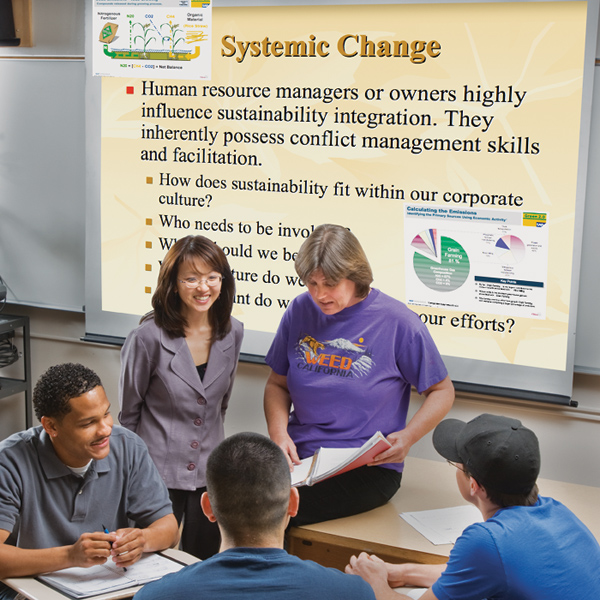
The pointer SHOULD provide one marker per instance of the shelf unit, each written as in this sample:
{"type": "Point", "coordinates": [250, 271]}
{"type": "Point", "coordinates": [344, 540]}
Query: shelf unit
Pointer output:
{"type": "Point", "coordinates": [8, 385]}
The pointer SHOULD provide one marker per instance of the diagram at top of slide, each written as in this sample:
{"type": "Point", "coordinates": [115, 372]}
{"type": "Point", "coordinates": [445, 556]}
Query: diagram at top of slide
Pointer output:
{"type": "Point", "coordinates": [162, 41]}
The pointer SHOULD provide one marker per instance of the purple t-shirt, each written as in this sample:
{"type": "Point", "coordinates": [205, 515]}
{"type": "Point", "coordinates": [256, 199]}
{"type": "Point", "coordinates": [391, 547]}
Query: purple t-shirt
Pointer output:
{"type": "Point", "coordinates": [350, 374]}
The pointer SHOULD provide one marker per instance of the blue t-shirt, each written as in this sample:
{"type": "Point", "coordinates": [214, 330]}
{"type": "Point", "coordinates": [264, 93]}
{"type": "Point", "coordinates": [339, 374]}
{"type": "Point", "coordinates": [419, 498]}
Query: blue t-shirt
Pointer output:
{"type": "Point", "coordinates": [257, 573]}
{"type": "Point", "coordinates": [540, 552]}
{"type": "Point", "coordinates": [350, 374]}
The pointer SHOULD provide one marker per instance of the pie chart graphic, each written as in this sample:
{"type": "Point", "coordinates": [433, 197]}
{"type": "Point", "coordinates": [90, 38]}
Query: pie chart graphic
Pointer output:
{"type": "Point", "coordinates": [510, 249]}
{"type": "Point", "coordinates": [440, 262]}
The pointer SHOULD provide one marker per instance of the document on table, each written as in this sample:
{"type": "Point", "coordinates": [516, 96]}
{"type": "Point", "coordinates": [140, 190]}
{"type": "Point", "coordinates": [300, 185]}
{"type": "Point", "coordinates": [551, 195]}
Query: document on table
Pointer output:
{"type": "Point", "coordinates": [80, 582]}
{"type": "Point", "coordinates": [443, 525]}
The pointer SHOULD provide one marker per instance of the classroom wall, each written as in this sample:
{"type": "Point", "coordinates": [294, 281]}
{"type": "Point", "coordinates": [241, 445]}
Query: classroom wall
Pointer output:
{"type": "Point", "coordinates": [569, 437]}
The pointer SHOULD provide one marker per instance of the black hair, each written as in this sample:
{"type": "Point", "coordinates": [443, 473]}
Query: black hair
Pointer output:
{"type": "Point", "coordinates": [248, 482]}
{"type": "Point", "coordinates": [505, 500]}
{"type": "Point", "coordinates": [167, 303]}
{"type": "Point", "coordinates": [58, 385]}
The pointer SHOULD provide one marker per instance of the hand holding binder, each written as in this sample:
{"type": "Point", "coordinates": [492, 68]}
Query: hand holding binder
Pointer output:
{"type": "Point", "coordinates": [327, 462]}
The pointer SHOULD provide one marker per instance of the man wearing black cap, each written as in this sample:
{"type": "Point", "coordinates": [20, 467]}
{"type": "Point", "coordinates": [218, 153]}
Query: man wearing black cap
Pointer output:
{"type": "Point", "coordinates": [528, 547]}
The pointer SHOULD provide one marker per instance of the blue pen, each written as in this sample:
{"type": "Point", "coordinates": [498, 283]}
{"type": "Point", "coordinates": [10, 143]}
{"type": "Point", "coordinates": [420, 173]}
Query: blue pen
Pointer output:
{"type": "Point", "coordinates": [107, 531]}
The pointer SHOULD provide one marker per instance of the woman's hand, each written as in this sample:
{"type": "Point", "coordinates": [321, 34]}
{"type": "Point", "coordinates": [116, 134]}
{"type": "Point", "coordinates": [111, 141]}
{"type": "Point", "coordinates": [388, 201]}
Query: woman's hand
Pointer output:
{"type": "Point", "coordinates": [277, 412]}
{"type": "Point", "coordinates": [438, 401]}
{"type": "Point", "coordinates": [284, 441]}
{"type": "Point", "coordinates": [397, 453]}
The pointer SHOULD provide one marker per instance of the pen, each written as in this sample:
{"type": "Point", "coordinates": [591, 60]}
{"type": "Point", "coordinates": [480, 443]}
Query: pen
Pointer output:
{"type": "Point", "coordinates": [107, 531]}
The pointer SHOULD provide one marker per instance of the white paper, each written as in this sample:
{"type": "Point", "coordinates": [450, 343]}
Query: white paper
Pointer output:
{"type": "Point", "coordinates": [443, 525]}
{"type": "Point", "coordinates": [301, 471]}
{"type": "Point", "coordinates": [82, 582]}
{"type": "Point", "coordinates": [413, 593]}
{"type": "Point", "coordinates": [330, 459]}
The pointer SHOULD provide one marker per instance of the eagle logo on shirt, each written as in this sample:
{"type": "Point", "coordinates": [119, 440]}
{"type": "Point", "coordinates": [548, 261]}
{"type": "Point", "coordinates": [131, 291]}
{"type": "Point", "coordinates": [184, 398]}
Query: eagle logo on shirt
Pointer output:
{"type": "Point", "coordinates": [334, 357]}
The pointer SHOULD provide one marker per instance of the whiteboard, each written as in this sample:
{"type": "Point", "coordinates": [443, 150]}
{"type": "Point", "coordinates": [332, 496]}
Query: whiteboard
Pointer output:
{"type": "Point", "coordinates": [42, 182]}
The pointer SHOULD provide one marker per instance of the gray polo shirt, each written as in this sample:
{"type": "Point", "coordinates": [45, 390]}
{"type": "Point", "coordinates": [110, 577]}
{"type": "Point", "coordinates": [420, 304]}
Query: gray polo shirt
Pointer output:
{"type": "Point", "coordinates": [44, 504]}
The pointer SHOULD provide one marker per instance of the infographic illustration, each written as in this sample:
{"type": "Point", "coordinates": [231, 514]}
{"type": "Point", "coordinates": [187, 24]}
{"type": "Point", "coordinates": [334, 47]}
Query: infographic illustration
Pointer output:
{"type": "Point", "coordinates": [487, 260]}
{"type": "Point", "coordinates": [172, 42]}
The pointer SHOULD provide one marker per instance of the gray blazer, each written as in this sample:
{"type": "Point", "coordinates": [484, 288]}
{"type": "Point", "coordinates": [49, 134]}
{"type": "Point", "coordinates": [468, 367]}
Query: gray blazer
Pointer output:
{"type": "Point", "coordinates": [163, 400]}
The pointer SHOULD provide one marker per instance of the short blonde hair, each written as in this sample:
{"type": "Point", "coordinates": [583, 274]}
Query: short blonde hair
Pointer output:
{"type": "Point", "coordinates": [337, 253]}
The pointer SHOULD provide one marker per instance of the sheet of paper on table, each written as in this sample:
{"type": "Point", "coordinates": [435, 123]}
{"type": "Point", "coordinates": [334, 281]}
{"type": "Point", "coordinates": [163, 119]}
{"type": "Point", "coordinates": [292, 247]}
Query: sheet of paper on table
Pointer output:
{"type": "Point", "coordinates": [443, 525]}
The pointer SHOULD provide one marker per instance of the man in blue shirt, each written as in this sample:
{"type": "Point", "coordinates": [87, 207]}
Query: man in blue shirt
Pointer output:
{"type": "Point", "coordinates": [249, 495]}
{"type": "Point", "coordinates": [62, 484]}
{"type": "Point", "coordinates": [528, 547]}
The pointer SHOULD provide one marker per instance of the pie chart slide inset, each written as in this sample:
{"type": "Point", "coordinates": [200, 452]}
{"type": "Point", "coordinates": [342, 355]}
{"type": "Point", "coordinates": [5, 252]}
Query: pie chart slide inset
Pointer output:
{"type": "Point", "coordinates": [427, 243]}
{"type": "Point", "coordinates": [510, 249]}
{"type": "Point", "coordinates": [445, 272]}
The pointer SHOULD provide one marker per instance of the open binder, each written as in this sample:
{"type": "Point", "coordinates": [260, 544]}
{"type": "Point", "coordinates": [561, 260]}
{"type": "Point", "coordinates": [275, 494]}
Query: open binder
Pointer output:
{"type": "Point", "coordinates": [328, 462]}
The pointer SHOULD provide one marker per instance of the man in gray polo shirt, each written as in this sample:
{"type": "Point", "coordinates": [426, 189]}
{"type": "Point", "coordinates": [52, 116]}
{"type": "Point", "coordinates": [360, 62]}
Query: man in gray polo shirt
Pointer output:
{"type": "Point", "coordinates": [76, 491]}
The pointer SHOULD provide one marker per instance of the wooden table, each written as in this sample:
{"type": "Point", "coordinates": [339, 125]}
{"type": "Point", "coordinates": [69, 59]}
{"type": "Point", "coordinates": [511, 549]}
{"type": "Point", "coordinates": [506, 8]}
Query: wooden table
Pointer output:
{"type": "Point", "coordinates": [426, 484]}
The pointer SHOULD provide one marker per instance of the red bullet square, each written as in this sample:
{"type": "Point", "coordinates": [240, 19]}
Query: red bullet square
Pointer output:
{"type": "Point", "coordinates": [130, 89]}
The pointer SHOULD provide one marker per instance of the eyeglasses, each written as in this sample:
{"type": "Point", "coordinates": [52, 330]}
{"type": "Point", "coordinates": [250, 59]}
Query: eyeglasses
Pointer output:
{"type": "Point", "coordinates": [210, 281]}
{"type": "Point", "coordinates": [453, 464]}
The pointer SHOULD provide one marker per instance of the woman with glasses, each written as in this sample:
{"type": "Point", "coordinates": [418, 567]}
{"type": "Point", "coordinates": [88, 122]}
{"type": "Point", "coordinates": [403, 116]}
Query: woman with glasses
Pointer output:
{"type": "Point", "coordinates": [177, 372]}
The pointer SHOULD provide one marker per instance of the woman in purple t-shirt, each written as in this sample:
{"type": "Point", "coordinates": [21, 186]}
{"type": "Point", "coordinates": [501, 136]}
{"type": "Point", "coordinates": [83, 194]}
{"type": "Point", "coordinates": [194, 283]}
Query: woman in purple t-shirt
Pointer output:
{"type": "Point", "coordinates": [343, 362]}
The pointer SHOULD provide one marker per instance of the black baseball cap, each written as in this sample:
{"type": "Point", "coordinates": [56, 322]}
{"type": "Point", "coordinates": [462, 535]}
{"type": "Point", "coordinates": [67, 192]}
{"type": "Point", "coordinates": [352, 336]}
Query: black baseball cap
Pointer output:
{"type": "Point", "coordinates": [500, 453]}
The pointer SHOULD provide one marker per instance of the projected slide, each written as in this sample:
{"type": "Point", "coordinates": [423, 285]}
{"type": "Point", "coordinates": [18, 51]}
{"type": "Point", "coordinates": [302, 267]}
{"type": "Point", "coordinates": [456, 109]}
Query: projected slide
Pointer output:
{"type": "Point", "coordinates": [437, 155]}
